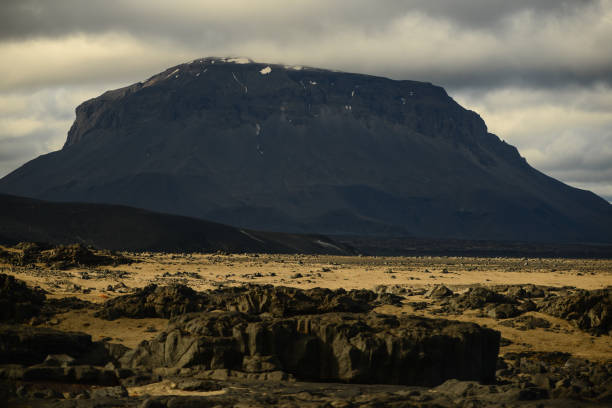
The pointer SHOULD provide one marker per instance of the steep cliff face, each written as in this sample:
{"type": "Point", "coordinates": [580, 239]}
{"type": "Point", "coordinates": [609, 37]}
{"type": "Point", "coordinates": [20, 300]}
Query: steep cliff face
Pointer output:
{"type": "Point", "coordinates": [306, 150]}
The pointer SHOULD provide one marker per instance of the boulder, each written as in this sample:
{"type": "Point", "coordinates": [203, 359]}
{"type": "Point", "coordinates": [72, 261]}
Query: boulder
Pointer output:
{"type": "Point", "coordinates": [439, 291]}
{"type": "Point", "coordinates": [503, 311]}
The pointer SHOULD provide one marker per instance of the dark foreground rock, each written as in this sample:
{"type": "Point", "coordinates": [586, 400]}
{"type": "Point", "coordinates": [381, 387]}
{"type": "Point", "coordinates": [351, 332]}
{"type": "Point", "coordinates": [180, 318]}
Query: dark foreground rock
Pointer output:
{"type": "Point", "coordinates": [170, 301]}
{"type": "Point", "coordinates": [28, 345]}
{"type": "Point", "coordinates": [560, 375]}
{"type": "Point", "coordinates": [260, 394]}
{"type": "Point", "coordinates": [358, 348]}
{"type": "Point", "coordinates": [18, 302]}
{"type": "Point", "coordinates": [258, 346]}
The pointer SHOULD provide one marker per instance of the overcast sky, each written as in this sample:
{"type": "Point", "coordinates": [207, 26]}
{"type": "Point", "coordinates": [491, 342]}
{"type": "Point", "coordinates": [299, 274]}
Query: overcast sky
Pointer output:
{"type": "Point", "coordinates": [539, 72]}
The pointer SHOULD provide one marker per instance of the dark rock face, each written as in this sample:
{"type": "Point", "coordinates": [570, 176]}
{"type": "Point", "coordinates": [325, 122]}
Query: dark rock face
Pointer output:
{"type": "Point", "coordinates": [589, 310]}
{"type": "Point", "coordinates": [18, 302]}
{"type": "Point", "coordinates": [307, 150]}
{"type": "Point", "coordinates": [360, 348]}
{"type": "Point", "coordinates": [315, 334]}
{"type": "Point", "coordinates": [170, 301]}
{"type": "Point", "coordinates": [31, 345]}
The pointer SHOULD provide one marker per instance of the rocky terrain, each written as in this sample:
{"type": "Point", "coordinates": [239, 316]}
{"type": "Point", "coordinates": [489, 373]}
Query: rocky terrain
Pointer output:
{"type": "Point", "coordinates": [146, 337]}
{"type": "Point", "coordinates": [297, 149]}
{"type": "Point", "coordinates": [61, 257]}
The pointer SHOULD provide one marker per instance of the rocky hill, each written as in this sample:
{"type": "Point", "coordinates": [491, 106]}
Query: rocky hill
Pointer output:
{"type": "Point", "coordinates": [123, 228]}
{"type": "Point", "coordinates": [296, 149]}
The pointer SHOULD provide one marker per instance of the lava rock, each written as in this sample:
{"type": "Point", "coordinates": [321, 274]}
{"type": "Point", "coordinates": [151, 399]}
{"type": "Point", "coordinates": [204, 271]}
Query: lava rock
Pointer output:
{"type": "Point", "coordinates": [438, 292]}
{"type": "Point", "coordinates": [503, 311]}
{"type": "Point", "coordinates": [18, 302]}
{"type": "Point", "coordinates": [360, 348]}
{"type": "Point", "coordinates": [31, 345]}
{"type": "Point", "coordinates": [478, 298]}
{"type": "Point", "coordinates": [170, 301]}
{"type": "Point", "coordinates": [590, 311]}
{"type": "Point", "coordinates": [154, 301]}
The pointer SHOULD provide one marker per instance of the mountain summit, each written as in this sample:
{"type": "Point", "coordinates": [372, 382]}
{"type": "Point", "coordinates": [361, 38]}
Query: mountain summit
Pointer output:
{"type": "Point", "coordinates": [298, 149]}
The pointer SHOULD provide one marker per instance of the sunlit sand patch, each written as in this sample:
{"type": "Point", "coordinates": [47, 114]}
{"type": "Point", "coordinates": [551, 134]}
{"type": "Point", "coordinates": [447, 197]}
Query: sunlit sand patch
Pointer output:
{"type": "Point", "coordinates": [168, 387]}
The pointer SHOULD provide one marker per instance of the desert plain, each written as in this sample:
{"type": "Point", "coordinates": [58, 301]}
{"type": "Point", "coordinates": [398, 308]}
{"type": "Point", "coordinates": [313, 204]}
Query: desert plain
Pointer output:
{"type": "Point", "coordinates": [423, 285]}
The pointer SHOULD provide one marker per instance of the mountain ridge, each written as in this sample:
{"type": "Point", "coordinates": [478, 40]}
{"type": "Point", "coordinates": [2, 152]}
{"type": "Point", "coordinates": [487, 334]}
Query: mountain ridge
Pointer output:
{"type": "Point", "coordinates": [117, 227]}
{"type": "Point", "coordinates": [272, 147]}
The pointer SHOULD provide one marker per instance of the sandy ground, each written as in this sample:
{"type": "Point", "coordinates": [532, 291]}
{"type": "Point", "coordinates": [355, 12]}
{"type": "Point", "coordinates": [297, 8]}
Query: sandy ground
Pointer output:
{"type": "Point", "coordinates": [205, 271]}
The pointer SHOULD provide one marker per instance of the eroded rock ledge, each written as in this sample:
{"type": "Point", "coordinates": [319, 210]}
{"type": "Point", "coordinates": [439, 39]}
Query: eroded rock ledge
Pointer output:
{"type": "Point", "coordinates": [348, 347]}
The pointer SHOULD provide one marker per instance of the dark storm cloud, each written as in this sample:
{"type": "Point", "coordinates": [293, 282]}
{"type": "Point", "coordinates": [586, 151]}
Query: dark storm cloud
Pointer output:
{"type": "Point", "coordinates": [27, 18]}
{"type": "Point", "coordinates": [541, 43]}
{"type": "Point", "coordinates": [538, 72]}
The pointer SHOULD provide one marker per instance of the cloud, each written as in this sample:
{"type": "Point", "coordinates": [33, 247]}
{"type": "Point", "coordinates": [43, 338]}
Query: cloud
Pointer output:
{"type": "Point", "coordinates": [564, 132]}
{"type": "Point", "coordinates": [185, 19]}
{"type": "Point", "coordinates": [474, 42]}
{"type": "Point", "coordinates": [539, 73]}
{"type": "Point", "coordinates": [35, 123]}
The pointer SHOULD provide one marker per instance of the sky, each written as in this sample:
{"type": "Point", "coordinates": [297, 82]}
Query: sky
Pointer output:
{"type": "Point", "coordinates": [539, 72]}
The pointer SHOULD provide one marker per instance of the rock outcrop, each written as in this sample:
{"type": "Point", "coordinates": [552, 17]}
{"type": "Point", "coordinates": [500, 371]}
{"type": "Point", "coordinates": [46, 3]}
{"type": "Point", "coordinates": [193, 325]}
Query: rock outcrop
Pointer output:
{"type": "Point", "coordinates": [154, 301]}
{"type": "Point", "coordinates": [590, 311]}
{"type": "Point", "coordinates": [31, 345]}
{"type": "Point", "coordinates": [348, 347]}
{"type": "Point", "coordinates": [18, 302]}
{"type": "Point", "coordinates": [170, 301]}
{"type": "Point", "coordinates": [61, 256]}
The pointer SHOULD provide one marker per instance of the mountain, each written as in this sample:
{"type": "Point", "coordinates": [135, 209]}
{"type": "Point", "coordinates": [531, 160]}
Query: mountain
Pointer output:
{"type": "Point", "coordinates": [297, 149]}
{"type": "Point", "coordinates": [123, 228]}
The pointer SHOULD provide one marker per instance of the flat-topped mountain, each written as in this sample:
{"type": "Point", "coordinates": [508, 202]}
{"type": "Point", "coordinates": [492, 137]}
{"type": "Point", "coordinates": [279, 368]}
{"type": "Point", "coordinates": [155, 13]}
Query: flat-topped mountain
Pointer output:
{"type": "Point", "coordinates": [296, 149]}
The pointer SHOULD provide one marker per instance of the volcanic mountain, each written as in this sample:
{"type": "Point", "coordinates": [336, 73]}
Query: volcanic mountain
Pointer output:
{"type": "Point", "coordinates": [297, 149]}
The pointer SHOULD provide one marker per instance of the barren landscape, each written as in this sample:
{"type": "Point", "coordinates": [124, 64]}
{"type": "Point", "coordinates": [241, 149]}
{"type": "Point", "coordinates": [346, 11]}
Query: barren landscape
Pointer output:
{"type": "Point", "coordinates": [553, 316]}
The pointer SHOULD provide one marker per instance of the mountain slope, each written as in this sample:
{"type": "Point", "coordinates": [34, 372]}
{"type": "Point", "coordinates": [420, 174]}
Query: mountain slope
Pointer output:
{"type": "Point", "coordinates": [124, 228]}
{"type": "Point", "coordinates": [307, 150]}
